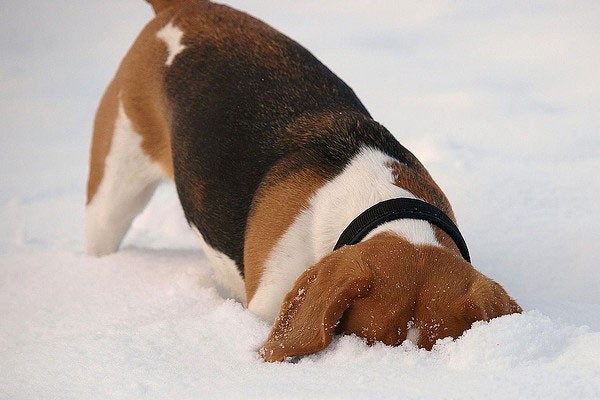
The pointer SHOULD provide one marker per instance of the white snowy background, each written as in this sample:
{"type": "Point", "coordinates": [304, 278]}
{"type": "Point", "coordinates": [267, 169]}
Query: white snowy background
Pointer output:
{"type": "Point", "coordinates": [499, 99]}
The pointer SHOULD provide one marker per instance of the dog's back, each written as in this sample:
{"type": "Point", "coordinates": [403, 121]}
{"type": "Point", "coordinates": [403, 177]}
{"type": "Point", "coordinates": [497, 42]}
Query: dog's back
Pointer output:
{"type": "Point", "coordinates": [221, 102]}
{"type": "Point", "coordinates": [235, 93]}
{"type": "Point", "coordinates": [242, 97]}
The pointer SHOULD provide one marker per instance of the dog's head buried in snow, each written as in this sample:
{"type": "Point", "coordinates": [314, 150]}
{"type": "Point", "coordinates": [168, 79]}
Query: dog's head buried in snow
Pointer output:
{"type": "Point", "coordinates": [274, 159]}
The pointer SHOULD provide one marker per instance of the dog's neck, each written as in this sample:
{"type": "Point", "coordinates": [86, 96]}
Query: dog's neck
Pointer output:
{"type": "Point", "coordinates": [366, 180]}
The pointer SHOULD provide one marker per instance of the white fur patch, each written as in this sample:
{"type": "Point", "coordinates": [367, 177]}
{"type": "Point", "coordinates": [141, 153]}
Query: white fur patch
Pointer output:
{"type": "Point", "coordinates": [290, 257]}
{"type": "Point", "coordinates": [171, 35]}
{"type": "Point", "coordinates": [129, 180]}
{"type": "Point", "coordinates": [416, 231]}
{"type": "Point", "coordinates": [366, 181]}
{"type": "Point", "coordinates": [226, 270]}
{"type": "Point", "coordinates": [413, 335]}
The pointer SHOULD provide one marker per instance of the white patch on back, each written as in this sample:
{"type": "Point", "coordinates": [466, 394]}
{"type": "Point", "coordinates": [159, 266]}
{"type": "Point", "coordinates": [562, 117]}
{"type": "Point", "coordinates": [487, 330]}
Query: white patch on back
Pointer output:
{"type": "Point", "coordinates": [171, 35]}
{"type": "Point", "coordinates": [366, 181]}
{"type": "Point", "coordinates": [226, 270]}
{"type": "Point", "coordinates": [129, 180]}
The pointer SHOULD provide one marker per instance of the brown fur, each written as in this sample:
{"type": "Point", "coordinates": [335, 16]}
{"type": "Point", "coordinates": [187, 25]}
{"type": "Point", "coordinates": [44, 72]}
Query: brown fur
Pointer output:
{"type": "Point", "coordinates": [422, 185]}
{"type": "Point", "coordinates": [312, 309]}
{"type": "Point", "coordinates": [379, 288]}
{"type": "Point", "coordinates": [104, 126]}
{"type": "Point", "coordinates": [138, 83]}
{"type": "Point", "coordinates": [276, 208]}
{"type": "Point", "coordinates": [161, 5]}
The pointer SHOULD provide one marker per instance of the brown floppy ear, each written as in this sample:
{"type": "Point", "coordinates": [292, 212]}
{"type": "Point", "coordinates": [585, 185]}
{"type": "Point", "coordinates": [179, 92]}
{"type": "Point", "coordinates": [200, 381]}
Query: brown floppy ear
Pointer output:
{"type": "Point", "coordinates": [311, 310]}
{"type": "Point", "coordinates": [488, 300]}
{"type": "Point", "coordinates": [481, 300]}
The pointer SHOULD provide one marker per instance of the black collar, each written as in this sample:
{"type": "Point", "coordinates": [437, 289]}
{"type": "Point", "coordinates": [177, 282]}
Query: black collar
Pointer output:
{"type": "Point", "coordinates": [401, 208]}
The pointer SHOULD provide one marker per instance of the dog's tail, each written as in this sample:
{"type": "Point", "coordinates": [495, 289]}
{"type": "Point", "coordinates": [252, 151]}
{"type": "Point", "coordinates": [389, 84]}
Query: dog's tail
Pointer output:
{"type": "Point", "coordinates": [160, 5]}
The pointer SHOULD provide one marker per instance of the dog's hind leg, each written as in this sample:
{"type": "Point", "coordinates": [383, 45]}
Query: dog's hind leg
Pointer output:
{"type": "Point", "coordinates": [122, 176]}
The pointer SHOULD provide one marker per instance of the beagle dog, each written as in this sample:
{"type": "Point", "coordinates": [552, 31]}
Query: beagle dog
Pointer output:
{"type": "Point", "coordinates": [311, 213]}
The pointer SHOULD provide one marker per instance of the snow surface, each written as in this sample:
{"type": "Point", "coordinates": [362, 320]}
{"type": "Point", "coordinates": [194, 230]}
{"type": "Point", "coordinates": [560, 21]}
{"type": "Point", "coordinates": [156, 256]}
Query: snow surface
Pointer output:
{"type": "Point", "coordinates": [500, 100]}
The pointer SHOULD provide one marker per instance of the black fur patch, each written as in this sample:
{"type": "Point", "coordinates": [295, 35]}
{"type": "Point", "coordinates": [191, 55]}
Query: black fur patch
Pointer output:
{"type": "Point", "coordinates": [244, 97]}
